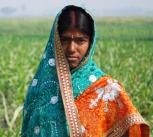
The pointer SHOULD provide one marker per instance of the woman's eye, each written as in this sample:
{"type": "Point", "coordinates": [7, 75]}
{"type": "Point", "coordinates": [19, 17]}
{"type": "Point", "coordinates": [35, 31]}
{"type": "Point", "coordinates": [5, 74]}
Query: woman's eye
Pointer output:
{"type": "Point", "coordinates": [67, 41]}
{"type": "Point", "coordinates": [64, 41]}
{"type": "Point", "coordinates": [81, 41]}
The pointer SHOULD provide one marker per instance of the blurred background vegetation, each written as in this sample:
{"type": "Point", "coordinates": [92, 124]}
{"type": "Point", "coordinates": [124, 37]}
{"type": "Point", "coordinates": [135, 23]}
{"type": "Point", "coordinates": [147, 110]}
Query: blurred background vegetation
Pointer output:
{"type": "Point", "coordinates": [124, 51]}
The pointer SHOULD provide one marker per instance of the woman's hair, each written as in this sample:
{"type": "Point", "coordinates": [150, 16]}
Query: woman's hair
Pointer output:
{"type": "Point", "coordinates": [77, 18]}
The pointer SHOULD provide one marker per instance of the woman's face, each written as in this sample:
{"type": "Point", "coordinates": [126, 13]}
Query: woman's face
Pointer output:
{"type": "Point", "coordinates": [75, 45]}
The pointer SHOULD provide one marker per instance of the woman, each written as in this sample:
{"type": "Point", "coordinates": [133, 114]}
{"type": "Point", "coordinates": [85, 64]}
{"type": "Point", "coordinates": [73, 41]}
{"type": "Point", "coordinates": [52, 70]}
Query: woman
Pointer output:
{"type": "Point", "coordinates": [69, 95]}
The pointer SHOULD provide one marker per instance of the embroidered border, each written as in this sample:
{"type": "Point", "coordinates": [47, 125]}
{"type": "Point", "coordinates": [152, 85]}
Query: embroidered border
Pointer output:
{"type": "Point", "coordinates": [121, 127]}
{"type": "Point", "coordinates": [66, 88]}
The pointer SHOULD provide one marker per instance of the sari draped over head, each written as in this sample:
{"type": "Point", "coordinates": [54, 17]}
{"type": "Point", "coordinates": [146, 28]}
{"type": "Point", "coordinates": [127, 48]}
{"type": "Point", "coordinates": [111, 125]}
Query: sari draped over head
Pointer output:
{"type": "Point", "coordinates": [82, 102]}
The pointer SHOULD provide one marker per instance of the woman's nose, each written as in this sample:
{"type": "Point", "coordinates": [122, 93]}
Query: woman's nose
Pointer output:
{"type": "Point", "coordinates": [72, 46]}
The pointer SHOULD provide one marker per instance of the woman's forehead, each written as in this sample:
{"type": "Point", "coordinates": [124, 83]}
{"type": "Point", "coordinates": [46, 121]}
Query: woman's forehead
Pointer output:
{"type": "Point", "coordinates": [73, 31]}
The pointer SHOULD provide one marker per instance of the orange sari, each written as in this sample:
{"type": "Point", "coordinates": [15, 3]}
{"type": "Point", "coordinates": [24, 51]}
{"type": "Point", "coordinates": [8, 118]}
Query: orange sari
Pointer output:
{"type": "Point", "coordinates": [105, 110]}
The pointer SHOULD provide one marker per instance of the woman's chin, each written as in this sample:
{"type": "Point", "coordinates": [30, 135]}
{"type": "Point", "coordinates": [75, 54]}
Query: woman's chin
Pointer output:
{"type": "Point", "coordinates": [72, 65]}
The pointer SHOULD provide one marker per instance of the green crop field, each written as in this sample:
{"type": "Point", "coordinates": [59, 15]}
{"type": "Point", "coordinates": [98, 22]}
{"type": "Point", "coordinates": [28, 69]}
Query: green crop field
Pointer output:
{"type": "Point", "coordinates": [124, 51]}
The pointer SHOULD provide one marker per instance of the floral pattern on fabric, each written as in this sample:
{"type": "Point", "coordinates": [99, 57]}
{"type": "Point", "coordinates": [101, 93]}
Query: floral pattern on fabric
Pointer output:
{"type": "Point", "coordinates": [107, 93]}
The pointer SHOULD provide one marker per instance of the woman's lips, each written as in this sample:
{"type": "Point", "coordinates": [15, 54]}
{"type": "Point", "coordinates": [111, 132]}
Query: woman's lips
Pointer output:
{"type": "Point", "coordinates": [72, 58]}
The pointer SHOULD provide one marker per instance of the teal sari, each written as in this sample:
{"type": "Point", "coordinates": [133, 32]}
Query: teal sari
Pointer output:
{"type": "Point", "coordinates": [46, 108]}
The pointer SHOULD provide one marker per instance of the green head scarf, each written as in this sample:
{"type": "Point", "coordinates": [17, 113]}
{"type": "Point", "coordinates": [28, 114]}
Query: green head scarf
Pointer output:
{"type": "Point", "coordinates": [43, 112]}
